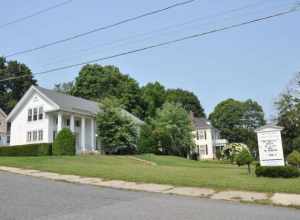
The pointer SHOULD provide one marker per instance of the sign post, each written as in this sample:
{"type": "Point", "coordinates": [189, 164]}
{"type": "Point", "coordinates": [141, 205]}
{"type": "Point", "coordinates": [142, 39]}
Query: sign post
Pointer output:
{"type": "Point", "coordinates": [270, 145]}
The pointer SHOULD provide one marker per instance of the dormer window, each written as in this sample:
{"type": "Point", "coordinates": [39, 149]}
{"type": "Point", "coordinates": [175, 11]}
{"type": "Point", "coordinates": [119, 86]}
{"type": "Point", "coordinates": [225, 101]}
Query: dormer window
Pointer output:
{"type": "Point", "coordinates": [29, 114]}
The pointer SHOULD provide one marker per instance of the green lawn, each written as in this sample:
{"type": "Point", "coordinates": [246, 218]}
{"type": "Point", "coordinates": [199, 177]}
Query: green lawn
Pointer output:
{"type": "Point", "coordinates": [169, 170]}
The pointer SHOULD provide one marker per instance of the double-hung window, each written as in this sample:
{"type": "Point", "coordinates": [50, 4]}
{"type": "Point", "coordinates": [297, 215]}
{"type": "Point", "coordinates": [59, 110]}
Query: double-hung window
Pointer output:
{"type": "Point", "coordinates": [28, 136]}
{"type": "Point", "coordinates": [41, 113]}
{"type": "Point", "coordinates": [35, 114]}
{"type": "Point", "coordinates": [29, 114]}
{"type": "Point", "coordinates": [34, 135]}
{"type": "Point", "coordinates": [40, 135]}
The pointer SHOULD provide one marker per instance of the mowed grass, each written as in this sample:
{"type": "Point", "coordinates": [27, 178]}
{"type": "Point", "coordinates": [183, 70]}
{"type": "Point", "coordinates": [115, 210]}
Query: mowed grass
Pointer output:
{"type": "Point", "coordinates": [168, 170]}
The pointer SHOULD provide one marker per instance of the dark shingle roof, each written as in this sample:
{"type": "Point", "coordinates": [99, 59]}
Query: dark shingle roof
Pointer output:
{"type": "Point", "coordinates": [70, 103]}
{"type": "Point", "coordinates": [201, 123]}
{"type": "Point", "coordinates": [76, 104]}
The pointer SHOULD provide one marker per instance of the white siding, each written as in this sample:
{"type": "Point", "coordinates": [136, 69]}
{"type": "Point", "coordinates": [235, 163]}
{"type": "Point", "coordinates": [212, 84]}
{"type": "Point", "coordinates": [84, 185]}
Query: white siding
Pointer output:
{"type": "Point", "coordinates": [20, 124]}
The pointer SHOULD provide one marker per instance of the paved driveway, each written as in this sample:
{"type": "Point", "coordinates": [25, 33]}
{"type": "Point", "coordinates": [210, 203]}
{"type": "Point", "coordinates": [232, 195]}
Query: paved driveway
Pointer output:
{"type": "Point", "coordinates": [23, 197]}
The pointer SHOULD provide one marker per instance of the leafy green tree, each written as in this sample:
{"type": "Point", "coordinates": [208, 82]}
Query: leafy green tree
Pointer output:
{"type": "Point", "coordinates": [294, 158]}
{"type": "Point", "coordinates": [244, 158]}
{"type": "Point", "coordinates": [288, 107]}
{"type": "Point", "coordinates": [12, 91]}
{"type": "Point", "coordinates": [171, 130]}
{"type": "Point", "coordinates": [188, 100]}
{"type": "Point", "coordinates": [296, 143]}
{"type": "Point", "coordinates": [64, 87]}
{"type": "Point", "coordinates": [118, 134]}
{"type": "Point", "coordinates": [154, 96]}
{"type": "Point", "coordinates": [237, 121]}
{"type": "Point", "coordinates": [98, 82]}
{"type": "Point", "coordinates": [64, 143]}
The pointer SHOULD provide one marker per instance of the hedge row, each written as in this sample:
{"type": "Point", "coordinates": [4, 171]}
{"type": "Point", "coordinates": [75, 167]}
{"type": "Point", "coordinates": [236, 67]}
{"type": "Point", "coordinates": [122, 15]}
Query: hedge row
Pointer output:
{"type": "Point", "coordinates": [27, 150]}
{"type": "Point", "coordinates": [275, 172]}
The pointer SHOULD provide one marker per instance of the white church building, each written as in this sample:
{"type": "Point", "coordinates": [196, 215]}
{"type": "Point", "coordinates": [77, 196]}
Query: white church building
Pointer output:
{"type": "Point", "coordinates": [42, 113]}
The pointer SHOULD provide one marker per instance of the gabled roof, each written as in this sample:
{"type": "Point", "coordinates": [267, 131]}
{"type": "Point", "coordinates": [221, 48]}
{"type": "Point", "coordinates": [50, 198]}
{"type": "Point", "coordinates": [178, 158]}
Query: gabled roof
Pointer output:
{"type": "Point", "coordinates": [3, 113]}
{"type": "Point", "coordinates": [67, 103]}
{"type": "Point", "coordinates": [70, 103]}
{"type": "Point", "coordinates": [269, 126]}
{"type": "Point", "coordinates": [201, 123]}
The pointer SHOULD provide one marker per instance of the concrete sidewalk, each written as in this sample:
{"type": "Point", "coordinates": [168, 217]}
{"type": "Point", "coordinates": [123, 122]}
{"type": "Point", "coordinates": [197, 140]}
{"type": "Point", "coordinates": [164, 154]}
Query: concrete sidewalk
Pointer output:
{"type": "Point", "coordinates": [281, 199]}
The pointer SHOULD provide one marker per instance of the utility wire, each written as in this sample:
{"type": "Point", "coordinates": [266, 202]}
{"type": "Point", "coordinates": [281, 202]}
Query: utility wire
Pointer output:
{"type": "Point", "coordinates": [224, 28]}
{"type": "Point", "coordinates": [148, 35]}
{"type": "Point", "coordinates": [21, 19]}
{"type": "Point", "coordinates": [127, 20]}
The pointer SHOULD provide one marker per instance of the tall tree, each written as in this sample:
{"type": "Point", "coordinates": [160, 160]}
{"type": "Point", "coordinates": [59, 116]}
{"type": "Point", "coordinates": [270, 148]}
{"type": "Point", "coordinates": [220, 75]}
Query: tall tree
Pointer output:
{"type": "Point", "coordinates": [153, 95]}
{"type": "Point", "coordinates": [170, 132]}
{"type": "Point", "coordinates": [117, 132]}
{"type": "Point", "coordinates": [237, 121]}
{"type": "Point", "coordinates": [188, 100]}
{"type": "Point", "coordinates": [12, 91]}
{"type": "Point", "coordinates": [98, 82]}
{"type": "Point", "coordinates": [288, 108]}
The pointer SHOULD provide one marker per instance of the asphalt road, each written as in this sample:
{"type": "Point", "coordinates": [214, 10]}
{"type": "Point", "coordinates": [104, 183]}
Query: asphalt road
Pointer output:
{"type": "Point", "coordinates": [23, 197]}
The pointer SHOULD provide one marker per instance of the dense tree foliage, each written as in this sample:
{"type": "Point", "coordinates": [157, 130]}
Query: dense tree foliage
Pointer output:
{"type": "Point", "coordinates": [294, 158]}
{"type": "Point", "coordinates": [64, 87]}
{"type": "Point", "coordinates": [12, 91]}
{"type": "Point", "coordinates": [188, 100]}
{"type": "Point", "coordinates": [98, 82]}
{"type": "Point", "coordinates": [154, 96]}
{"type": "Point", "coordinates": [288, 107]}
{"type": "Point", "coordinates": [117, 133]}
{"type": "Point", "coordinates": [169, 132]}
{"type": "Point", "coordinates": [237, 121]}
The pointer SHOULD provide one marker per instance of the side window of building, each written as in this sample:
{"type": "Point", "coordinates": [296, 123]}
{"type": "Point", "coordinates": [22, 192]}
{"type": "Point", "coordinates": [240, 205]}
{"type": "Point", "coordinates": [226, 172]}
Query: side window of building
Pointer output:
{"type": "Point", "coordinates": [197, 134]}
{"type": "Point", "coordinates": [41, 113]}
{"type": "Point", "coordinates": [34, 135]}
{"type": "Point", "coordinates": [35, 114]}
{"type": "Point", "coordinates": [202, 134]}
{"type": "Point", "coordinates": [40, 137]}
{"type": "Point", "coordinates": [28, 136]}
{"type": "Point", "coordinates": [77, 123]}
{"type": "Point", "coordinates": [29, 114]}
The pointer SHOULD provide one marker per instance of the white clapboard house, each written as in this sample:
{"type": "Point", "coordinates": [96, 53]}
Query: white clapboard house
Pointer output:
{"type": "Point", "coordinates": [42, 113]}
{"type": "Point", "coordinates": [207, 139]}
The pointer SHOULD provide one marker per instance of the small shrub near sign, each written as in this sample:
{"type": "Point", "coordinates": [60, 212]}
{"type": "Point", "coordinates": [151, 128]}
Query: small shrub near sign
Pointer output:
{"type": "Point", "coordinates": [244, 158]}
{"type": "Point", "coordinates": [27, 150]}
{"type": "Point", "coordinates": [276, 172]}
{"type": "Point", "coordinates": [64, 143]}
{"type": "Point", "coordinates": [294, 158]}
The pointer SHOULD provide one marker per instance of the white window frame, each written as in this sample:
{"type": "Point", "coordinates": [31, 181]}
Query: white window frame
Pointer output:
{"type": "Point", "coordinates": [40, 113]}
{"type": "Point", "coordinates": [40, 135]}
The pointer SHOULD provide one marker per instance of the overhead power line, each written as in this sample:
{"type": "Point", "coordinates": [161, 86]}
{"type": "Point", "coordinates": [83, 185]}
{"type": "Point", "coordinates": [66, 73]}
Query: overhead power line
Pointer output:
{"type": "Point", "coordinates": [167, 30]}
{"type": "Point", "coordinates": [194, 36]}
{"type": "Point", "coordinates": [21, 19]}
{"type": "Point", "coordinates": [127, 20]}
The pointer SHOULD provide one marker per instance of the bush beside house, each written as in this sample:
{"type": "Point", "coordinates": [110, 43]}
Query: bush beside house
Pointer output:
{"type": "Point", "coordinates": [43, 149]}
{"type": "Point", "coordinates": [64, 143]}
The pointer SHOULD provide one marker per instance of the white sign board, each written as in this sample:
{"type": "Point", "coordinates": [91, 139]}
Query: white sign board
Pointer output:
{"type": "Point", "coordinates": [270, 147]}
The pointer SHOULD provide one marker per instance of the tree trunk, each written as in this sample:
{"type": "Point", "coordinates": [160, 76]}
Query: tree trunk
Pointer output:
{"type": "Point", "coordinates": [249, 169]}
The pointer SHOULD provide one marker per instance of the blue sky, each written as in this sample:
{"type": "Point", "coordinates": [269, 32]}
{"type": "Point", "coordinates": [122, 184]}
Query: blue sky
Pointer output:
{"type": "Point", "coordinates": [254, 61]}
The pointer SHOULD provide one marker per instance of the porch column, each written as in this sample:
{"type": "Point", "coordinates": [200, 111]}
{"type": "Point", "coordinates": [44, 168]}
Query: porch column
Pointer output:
{"type": "Point", "coordinates": [93, 134]}
{"type": "Point", "coordinates": [72, 123]}
{"type": "Point", "coordinates": [59, 121]}
{"type": "Point", "coordinates": [82, 133]}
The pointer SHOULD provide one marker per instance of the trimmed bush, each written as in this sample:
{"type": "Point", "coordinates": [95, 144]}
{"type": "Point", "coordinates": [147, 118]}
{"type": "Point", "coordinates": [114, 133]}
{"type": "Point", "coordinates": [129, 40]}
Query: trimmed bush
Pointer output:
{"type": "Point", "coordinates": [43, 149]}
{"type": "Point", "coordinates": [64, 143]}
{"type": "Point", "coordinates": [294, 158]}
{"type": "Point", "coordinates": [244, 158]}
{"type": "Point", "coordinates": [276, 172]}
